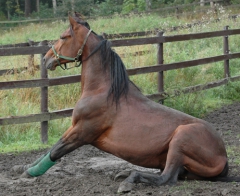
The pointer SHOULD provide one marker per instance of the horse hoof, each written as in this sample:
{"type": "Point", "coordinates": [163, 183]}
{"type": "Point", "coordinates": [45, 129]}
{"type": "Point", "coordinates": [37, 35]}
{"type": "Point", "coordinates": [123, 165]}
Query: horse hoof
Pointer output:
{"type": "Point", "coordinates": [122, 174]}
{"type": "Point", "coordinates": [125, 187]}
{"type": "Point", "coordinates": [19, 169]}
{"type": "Point", "coordinates": [26, 175]}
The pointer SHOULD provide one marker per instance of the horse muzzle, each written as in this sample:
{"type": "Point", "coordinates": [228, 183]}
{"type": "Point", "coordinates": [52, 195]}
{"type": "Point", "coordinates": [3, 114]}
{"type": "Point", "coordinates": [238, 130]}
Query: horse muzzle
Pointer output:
{"type": "Point", "coordinates": [50, 63]}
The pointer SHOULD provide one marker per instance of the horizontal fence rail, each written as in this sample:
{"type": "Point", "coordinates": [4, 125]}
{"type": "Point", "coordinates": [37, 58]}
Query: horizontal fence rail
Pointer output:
{"type": "Point", "coordinates": [23, 50]}
{"type": "Point", "coordinates": [135, 71]}
{"type": "Point", "coordinates": [40, 82]}
{"type": "Point", "coordinates": [159, 39]}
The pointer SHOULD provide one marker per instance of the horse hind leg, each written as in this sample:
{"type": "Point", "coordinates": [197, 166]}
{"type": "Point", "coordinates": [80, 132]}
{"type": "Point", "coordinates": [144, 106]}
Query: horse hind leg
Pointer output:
{"type": "Point", "coordinates": [173, 167]}
{"type": "Point", "coordinates": [169, 175]}
{"type": "Point", "coordinates": [187, 148]}
{"type": "Point", "coordinates": [148, 178]}
{"type": "Point", "coordinates": [200, 152]}
{"type": "Point", "coordinates": [186, 175]}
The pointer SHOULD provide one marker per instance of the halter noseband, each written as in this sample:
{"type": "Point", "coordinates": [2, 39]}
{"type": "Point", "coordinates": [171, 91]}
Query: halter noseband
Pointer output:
{"type": "Point", "coordinates": [75, 59]}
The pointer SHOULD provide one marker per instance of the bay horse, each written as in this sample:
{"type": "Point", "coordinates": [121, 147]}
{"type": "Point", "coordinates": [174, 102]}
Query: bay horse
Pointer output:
{"type": "Point", "coordinates": [114, 116]}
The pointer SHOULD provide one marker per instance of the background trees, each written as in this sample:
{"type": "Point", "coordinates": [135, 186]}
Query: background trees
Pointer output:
{"type": "Point", "coordinates": [19, 9]}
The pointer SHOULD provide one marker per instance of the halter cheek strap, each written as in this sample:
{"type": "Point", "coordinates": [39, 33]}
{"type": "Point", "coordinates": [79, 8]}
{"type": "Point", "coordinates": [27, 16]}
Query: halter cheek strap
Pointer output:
{"type": "Point", "coordinates": [75, 59]}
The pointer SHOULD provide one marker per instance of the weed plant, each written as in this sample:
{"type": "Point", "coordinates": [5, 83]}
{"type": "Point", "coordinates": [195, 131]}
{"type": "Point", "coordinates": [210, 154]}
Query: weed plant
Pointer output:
{"type": "Point", "coordinates": [17, 102]}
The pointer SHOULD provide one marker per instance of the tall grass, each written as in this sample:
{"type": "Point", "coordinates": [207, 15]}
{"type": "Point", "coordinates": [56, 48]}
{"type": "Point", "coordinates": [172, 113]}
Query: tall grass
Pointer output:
{"type": "Point", "coordinates": [18, 102]}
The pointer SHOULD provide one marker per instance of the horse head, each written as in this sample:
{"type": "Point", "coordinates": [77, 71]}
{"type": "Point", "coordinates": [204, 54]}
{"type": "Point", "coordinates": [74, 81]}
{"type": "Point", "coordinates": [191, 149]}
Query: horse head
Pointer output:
{"type": "Point", "coordinates": [70, 46]}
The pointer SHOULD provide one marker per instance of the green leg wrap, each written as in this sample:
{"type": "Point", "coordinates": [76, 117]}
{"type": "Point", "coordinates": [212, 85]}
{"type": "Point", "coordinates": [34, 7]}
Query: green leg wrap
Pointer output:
{"type": "Point", "coordinates": [25, 167]}
{"type": "Point", "coordinates": [37, 161]}
{"type": "Point", "coordinates": [39, 169]}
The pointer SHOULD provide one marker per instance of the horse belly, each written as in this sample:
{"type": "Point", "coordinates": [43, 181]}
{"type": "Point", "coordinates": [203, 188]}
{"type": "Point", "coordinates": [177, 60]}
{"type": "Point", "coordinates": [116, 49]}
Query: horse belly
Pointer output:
{"type": "Point", "coordinates": [141, 148]}
{"type": "Point", "coordinates": [140, 134]}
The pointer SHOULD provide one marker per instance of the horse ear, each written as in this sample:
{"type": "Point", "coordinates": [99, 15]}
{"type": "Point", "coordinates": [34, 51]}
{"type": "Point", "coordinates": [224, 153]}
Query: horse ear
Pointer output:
{"type": "Point", "coordinates": [72, 22]}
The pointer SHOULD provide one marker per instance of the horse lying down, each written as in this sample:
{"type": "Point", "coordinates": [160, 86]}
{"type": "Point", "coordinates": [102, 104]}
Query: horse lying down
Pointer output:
{"type": "Point", "coordinates": [114, 116]}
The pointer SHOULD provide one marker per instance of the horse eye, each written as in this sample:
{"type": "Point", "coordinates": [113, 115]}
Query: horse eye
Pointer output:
{"type": "Point", "coordinates": [62, 38]}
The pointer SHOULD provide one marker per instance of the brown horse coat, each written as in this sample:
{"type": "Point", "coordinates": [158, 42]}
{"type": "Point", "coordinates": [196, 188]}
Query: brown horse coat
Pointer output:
{"type": "Point", "coordinates": [114, 116]}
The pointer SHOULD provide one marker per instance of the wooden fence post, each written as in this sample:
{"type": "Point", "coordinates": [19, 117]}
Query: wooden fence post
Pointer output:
{"type": "Point", "coordinates": [104, 35]}
{"type": "Point", "coordinates": [31, 68]}
{"type": "Point", "coordinates": [177, 12]}
{"type": "Point", "coordinates": [160, 61]}
{"type": "Point", "coordinates": [226, 51]}
{"type": "Point", "coordinates": [44, 98]}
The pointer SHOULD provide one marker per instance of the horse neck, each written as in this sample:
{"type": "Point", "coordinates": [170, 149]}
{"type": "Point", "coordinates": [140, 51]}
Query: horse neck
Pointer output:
{"type": "Point", "coordinates": [93, 78]}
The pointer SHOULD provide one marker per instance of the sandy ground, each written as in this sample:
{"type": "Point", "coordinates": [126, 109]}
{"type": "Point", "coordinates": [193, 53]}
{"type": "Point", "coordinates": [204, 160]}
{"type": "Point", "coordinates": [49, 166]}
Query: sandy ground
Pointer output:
{"type": "Point", "coordinates": [89, 171]}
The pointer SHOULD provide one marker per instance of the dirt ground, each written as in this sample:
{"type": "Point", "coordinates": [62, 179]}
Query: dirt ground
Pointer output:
{"type": "Point", "coordinates": [88, 171]}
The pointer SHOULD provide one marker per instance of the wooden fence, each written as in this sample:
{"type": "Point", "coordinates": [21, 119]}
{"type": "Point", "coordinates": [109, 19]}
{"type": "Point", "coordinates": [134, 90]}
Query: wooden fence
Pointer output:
{"type": "Point", "coordinates": [159, 39]}
{"type": "Point", "coordinates": [114, 36]}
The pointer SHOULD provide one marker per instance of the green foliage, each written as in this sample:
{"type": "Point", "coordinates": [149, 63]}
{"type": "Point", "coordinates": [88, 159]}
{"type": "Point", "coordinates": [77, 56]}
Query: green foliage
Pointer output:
{"type": "Point", "coordinates": [128, 6]}
{"type": "Point", "coordinates": [45, 12]}
{"type": "Point", "coordinates": [9, 4]}
{"type": "Point", "coordinates": [141, 5]}
{"type": "Point", "coordinates": [82, 6]}
{"type": "Point", "coordinates": [18, 11]}
{"type": "Point", "coordinates": [234, 2]}
{"type": "Point", "coordinates": [178, 2]}
{"type": "Point", "coordinates": [189, 1]}
{"type": "Point", "coordinates": [87, 8]}
{"type": "Point", "coordinates": [102, 9]}
{"type": "Point", "coordinates": [230, 91]}
{"type": "Point", "coordinates": [2, 16]}
{"type": "Point", "coordinates": [133, 5]}
{"type": "Point", "coordinates": [191, 103]}
{"type": "Point", "coordinates": [12, 7]}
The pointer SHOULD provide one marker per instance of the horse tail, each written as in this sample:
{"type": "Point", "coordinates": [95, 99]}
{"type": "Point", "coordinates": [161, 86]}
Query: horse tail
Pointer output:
{"type": "Point", "coordinates": [224, 179]}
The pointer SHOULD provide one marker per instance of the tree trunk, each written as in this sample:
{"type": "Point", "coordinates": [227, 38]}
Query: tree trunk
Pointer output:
{"type": "Point", "coordinates": [27, 8]}
{"type": "Point", "coordinates": [8, 4]}
{"type": "Point", "coordinates": [201, 2]}
{"type": "Point", "coordinates": [211, 3]}
{"type": "Point", "coordinates": [8, 14]}
{"type": "Point", "coordinates": [54, 2]}
{"type": "Point", "coordinates": [148, 5]}
{"type": "Point", "coordinates": [37, 6]}
{"type": "Point", "coordinates": [73, 4]}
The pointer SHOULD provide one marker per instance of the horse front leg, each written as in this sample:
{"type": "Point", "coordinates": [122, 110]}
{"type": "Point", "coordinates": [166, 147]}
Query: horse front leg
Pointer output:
{"type": "Point", "coordinates": [21, 168]}
{"type": "Point", "coordinates": [69, 142]}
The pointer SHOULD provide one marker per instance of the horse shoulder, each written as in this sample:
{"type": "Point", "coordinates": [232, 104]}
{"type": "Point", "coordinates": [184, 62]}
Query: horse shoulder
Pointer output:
{"type": "Point", "coordinates": [92, 110]}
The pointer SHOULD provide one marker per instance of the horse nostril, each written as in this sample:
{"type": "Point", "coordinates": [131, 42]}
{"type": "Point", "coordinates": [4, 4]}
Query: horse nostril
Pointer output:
{"type": "Point", "coordinates": [44, 60]}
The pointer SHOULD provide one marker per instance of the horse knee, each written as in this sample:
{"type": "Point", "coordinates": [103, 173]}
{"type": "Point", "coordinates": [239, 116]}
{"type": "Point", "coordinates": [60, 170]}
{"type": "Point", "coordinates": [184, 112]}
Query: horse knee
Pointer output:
{"type": "Point", "coordinates": [58, 150]}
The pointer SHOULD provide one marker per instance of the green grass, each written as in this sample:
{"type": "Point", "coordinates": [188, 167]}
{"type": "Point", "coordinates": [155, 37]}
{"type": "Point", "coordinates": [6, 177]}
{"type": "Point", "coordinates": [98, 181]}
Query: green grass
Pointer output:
{"type": "Point", "coordinates": [234, 153]}
{"type": "Point", "coordinates": [25, 137]}
{"type": "Point", "coordinates": [115, 24]}
{"type": "Point", "coordinates": [17, 102]}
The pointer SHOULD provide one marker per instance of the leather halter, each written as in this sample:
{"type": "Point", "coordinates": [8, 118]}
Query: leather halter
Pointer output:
{"type": "Point", "coordinates": [75, 59]}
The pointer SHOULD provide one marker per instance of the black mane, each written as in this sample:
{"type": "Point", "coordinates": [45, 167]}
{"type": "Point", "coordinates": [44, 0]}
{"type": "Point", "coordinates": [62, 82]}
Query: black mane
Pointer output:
{"type": "Point", "coordinates": [118, 74]}
{"type": "Point", "coordinates": [110, 61]}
